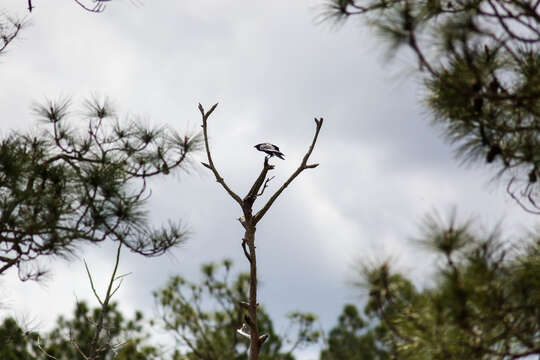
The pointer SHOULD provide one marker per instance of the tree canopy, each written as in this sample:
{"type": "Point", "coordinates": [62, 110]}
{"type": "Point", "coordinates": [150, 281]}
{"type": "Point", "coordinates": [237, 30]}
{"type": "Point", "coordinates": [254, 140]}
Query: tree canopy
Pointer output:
{"type": "Point", "coordinates": [354, 338]}
{"type": "Point", "coordinates": [485, 303]}
{"type": "Point", "coordinates": [65, 186]}
{"type": "Point", "coordinates": [204, 317]}
{"type": "Point", "coordinates": [481, 66]}
{"type": "Point", "coordinates": [71, 339]}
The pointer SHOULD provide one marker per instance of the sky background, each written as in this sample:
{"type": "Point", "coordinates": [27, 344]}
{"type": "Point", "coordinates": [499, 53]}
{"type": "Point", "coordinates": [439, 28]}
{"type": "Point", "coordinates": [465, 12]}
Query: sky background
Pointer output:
{"type": "Point", "coordinates": [273, 67]}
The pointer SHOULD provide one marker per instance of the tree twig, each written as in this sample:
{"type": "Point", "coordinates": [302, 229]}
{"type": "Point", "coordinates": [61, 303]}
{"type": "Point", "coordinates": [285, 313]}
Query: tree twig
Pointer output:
{"type": "Point", "coordinates": [92, 283]}
{"type": "Point", "coordinates": [94, 351]}
{"type": "Point", "coordinates": [265, 185]}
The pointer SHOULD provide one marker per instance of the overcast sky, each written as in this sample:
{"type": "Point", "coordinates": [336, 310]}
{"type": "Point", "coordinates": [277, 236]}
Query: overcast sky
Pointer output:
{"type": "Point", "coordinates": [273, 68]}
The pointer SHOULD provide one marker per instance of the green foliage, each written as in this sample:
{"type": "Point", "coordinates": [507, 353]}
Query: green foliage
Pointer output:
{"type": "Point", "coordinates": [204, 317]}
{"type": "Point", "coordinates": [481, 61]}
{"type": "Point", "coordinates": [306, 334]}
{"type": "Point", "coordinates": [15, 343]}
{"type": "Point", "coordinates": [64, 187]}
{"type": "Point", "coordinates": [125, 339]}
{"type": "Point", "coordinates": [352, 339]}
{"type": "Point", "coordinates": [485, 305]}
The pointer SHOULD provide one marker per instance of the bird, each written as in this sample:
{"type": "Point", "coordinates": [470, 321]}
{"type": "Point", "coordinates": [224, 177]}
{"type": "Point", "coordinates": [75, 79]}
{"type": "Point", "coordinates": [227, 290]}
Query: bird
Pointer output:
{"type": "Point", "coordinates": [270, 149]}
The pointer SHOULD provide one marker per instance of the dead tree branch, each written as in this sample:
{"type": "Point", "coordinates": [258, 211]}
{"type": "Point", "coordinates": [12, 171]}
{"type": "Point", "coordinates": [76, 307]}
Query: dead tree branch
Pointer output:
{"type": "Point", "coordinates": [303, 166]}
{"type": "Point", "coordinates": [98, 5]}
{"type": "Point", "coordinates": [210, 165]}
{"type": "Point", "coordinates": [265, 185]}
{"type": "Point", "coordinates": [528, 194]}
{"type": "Point", "coordinates": [95, 349]}
{"type": "Point", "coordinates": [249, 222]}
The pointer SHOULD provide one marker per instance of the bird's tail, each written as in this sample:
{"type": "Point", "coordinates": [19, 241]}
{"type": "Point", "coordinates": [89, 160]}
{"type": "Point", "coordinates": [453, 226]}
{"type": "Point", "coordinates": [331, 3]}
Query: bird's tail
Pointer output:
{"type": "Point", "coordinates": [280, 155]}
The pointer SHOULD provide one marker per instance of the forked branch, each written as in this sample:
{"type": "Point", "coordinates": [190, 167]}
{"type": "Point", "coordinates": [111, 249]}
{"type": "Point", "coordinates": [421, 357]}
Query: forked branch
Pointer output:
{"type": "Point", "coordinates": [250, 328]}
{"type": "Point", "coordinates": [303, 166]}
{"type": "Point", "coordinates": [265, 185]}
{"type": "Point", "coordinates": [528, 194]}
{"type": "Point", "coordinates": [253, 193]}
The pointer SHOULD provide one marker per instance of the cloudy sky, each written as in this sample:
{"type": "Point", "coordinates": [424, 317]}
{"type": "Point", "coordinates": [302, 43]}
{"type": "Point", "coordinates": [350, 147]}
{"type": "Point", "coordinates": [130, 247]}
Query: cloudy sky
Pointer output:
{"type": "Point", "coordinates": [272, 66]}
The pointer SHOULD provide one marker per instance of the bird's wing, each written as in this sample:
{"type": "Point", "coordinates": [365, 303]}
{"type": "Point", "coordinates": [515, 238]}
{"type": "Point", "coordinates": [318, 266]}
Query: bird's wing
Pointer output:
{"type": "Point", "coordinates": [267, 147]}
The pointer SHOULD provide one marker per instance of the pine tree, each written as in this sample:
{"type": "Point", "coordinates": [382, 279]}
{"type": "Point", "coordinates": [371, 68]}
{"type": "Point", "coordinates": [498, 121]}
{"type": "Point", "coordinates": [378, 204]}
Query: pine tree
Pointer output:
{"type": "Point", "coordinates": [485, 303]}
{"type": "Point", "coordinates": [71, 339]}
{"type": "Point", "coordinates": [203, 315]}
{"type": "Point", "coordinates": [124, 339]}
{"type": "Point", "coordinates": [66, 186]}
{"type": "Point", "coordinates": [354, 339]}
{"type": "Point", "coordinates": [480, 62]}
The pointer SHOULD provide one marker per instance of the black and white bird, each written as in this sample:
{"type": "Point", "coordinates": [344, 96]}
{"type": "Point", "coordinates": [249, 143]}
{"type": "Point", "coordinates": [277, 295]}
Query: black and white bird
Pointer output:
{"type": "Point", "coordinates": [270, 149]}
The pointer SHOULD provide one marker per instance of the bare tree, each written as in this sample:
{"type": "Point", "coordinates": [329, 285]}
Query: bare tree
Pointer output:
{"type": "Point", "coordinates": [249, 221]}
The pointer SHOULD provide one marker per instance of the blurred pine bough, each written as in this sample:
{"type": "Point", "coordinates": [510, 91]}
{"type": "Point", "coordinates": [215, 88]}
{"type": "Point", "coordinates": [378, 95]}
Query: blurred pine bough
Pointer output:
{"type": "Point", "coordinates": [480, 63]}
{"type": "Point", "coordinates": [65, 186]}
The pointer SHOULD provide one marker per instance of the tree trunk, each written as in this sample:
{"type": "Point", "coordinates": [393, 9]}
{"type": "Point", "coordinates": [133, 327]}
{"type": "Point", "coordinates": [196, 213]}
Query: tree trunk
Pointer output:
{"type": "Point", "coordinates": [254, 345]}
